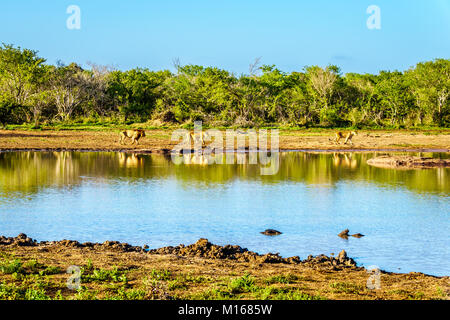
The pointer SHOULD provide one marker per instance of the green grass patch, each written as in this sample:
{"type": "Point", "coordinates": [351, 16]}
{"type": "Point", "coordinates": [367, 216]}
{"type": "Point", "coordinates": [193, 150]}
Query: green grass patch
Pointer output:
{"type": "Point", "coordinates": [295, 294]}
{"type": "Point", "coordinates": [50, 271]}
{"type": "Point", "coordinates": [212, 294]}
{"type": "Point", "coordinates": [10, 267]}
{"type": "Point", "coordinates": [345, 287]}
{"type": "Point", "coordinates": [18, 269]}
{"type": "Point", "coordinates": [160, 274]}
{"type": "Point", "coordinates": [103, 275]}
{"type": "Point", "coordinates": [22, 292]}
{"type": "Point", "coordinates": [245, 283]}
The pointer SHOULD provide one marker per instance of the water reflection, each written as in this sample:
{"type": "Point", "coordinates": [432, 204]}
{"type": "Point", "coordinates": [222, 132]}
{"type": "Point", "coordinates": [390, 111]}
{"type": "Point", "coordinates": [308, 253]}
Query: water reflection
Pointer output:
{"type": "Point", "coordinates": [130, 160]}
{"type": "Point", "coordinates": [27, 172]}
{"type": "Point", "coordinates": [344, 160]}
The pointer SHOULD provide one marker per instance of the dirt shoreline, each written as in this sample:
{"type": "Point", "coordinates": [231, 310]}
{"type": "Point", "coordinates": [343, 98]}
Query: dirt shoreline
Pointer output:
{"type": "Point", "coordinates": [159, 141]}
{"type": "Point", "coordinates": [197, 271]}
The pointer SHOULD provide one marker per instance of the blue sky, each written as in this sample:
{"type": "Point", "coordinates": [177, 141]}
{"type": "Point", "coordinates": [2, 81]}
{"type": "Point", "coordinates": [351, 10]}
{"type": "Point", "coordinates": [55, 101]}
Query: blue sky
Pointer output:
{"type": "Point", "coordinates": [231, 34]}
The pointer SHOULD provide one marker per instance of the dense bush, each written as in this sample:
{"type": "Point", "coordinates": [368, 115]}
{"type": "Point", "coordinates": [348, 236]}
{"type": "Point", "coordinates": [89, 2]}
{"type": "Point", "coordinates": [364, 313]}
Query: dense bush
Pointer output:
{"type": "Point", "coordinates": [32, 92]}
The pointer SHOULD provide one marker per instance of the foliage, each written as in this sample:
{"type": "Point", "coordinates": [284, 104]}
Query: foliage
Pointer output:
{"type": "Point", "coordinates": [113, 275]}
{"type": "Point", "coordinates": [242, 284]}
{"type": "Point", "coordinates": [33, 92]}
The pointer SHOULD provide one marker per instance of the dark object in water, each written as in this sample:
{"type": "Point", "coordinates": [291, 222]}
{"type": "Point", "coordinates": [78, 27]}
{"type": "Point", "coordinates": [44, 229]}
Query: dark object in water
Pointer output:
{"type": "Point", "coordinates": [357, 235]}
{"type": "Point", "coordinates": [271, 232]}
{"type": "Point", "coordinates": [344, 234]}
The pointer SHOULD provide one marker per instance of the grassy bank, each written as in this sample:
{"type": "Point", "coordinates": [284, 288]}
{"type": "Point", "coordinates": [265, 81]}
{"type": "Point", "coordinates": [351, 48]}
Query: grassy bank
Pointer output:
{"type": "Point", "coordinates": [38, 272]}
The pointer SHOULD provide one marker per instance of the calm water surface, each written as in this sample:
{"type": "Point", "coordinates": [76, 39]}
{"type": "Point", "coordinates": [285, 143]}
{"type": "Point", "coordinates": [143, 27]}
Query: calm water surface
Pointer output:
{"type": "Point", "coordinates": [147, 199]}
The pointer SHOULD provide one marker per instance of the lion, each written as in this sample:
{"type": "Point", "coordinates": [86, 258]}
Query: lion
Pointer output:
{"type": "Point", "coordinates": [199, 136]}
{"type": "Point", "coordinates": [134, 135]}
{"type": "Point", "coordinates": [348, 136]}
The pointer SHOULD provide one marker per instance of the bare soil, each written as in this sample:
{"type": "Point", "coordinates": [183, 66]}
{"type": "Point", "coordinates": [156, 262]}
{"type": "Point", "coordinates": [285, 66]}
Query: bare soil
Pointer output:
{"type": "Point", "coordinates": [160, 140]}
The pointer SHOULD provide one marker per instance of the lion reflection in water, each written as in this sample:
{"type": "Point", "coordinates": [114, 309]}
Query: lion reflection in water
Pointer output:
{"type": "Point", "coordinates": [344, 160]}
{"type": "Point", "coordinates": [195, 158]}
{"type": "Point", "coordinates": [130, 160]}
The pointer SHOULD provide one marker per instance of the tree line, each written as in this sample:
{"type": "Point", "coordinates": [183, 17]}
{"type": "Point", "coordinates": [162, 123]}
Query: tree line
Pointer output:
{"type": "Point", "coordinates": [37, 93]}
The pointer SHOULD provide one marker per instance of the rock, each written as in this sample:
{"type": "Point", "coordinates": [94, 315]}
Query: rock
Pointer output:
{"type": "Point", "coordinates": [21, 240]}
{"type": "Point", "coordinates": [294, 260]}
{"type": "Point", "coordinates": [70, 243]}
{"type": "Point", "coordinates": [22, 236]}
{"type": "Point", "coordinates": [271, 232]}
{"type": "Point", "coordinates": [344, 234]}
{"type": "Point", "coordinates": [88, 244]}
{"type": "Point", "coordinates": [323, 262]}
{"type": "Point", "coordinates": [110, 243]}
{"type": "Point", "coordinates": [342, 256]}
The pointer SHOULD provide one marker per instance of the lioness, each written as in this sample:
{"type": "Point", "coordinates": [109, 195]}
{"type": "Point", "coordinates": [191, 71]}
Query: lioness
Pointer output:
{"type": "Point", "coordinates": [348, 136]}
{"type": "Point", "coordinates": [134, 135]}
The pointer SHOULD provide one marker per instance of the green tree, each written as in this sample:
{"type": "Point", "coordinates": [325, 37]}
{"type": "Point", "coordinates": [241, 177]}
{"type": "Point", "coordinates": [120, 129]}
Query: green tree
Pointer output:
{"type": "Point", "coordinates": [430, 84]}
{"type": "Point", "coordinates": [21, 71]}
{"type": "Point", "coordinates": [394, 95]}
{"type": "Point", "coordinates": [134, 92]}
{"type": "Point", "coordinates": [361, 97]}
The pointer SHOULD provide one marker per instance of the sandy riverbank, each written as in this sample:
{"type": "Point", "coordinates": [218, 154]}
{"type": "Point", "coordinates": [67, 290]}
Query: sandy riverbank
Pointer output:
{"type": "Point", "coordinates": [160, 141]}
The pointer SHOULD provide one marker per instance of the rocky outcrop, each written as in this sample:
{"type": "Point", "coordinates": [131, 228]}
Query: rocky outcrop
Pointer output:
{"type": "Point", "coordinates": [202, 249]}
{"type": "Point", "coordinates": [205, 249]}
{"type": "Point", "coordinates": [323, 261]}
{"type": "Point", "coordinates": [24, 240]}
{"type": "Point", "coordinates": [21, 240]}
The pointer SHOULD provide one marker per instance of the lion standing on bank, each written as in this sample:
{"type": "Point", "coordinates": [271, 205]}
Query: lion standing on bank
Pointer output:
{"type": "Point", "coordinates": [134, 135]}
{"type": "Point", "coordinates": [347, 136]}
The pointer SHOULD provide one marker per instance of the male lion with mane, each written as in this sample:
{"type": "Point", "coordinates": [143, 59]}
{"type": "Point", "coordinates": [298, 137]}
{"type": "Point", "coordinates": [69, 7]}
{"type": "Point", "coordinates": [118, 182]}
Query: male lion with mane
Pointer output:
{"type": "Point", "coordinates": [134, 135]}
